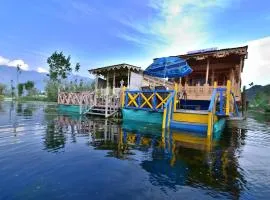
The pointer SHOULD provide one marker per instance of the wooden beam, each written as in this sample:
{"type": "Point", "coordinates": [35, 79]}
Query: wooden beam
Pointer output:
{"type": "Point", "coordinates": [128, 78]}
{"type": "Point", "coordinates": [114, 82]}
{"type": "Point", "coordinates": [207, 71]}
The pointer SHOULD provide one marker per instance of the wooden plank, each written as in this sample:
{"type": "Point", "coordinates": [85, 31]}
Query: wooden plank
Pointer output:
{"type": "Point", "coordinates": [190, 117]}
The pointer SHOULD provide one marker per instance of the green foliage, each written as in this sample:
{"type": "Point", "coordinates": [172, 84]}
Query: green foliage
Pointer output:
{"type": "Point", "coordinates": [29, 85]}
{"type": "Point", "coordinates": [77, 87]}
{"type": "Point", "coordinates": [77, 67]}
{"type": "Point", "coordinates": [34, 98]}
{"type": "Point", "coordinates": [52, 90]}
{"type": "Point", "coordinates": [2, 88]}
{"type": "Point", "coordinates": [261, 101]}
{"type": "Point", "coordinates": [20, 89]}
{"type": "Point", "coordinates": [60, 66]}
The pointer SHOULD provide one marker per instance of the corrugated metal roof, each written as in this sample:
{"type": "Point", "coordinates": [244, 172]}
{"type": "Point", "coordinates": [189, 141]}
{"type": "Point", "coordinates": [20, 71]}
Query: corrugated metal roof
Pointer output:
{"type": "Point", "coordinates": [114, 67]}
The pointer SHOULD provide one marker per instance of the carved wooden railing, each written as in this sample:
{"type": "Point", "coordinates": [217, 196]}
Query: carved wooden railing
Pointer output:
{"type": "Point", "coordinates": [155, 81]}
{"type": "Point", "coordinates": [198, 92]}
{"type": "Point", "coordinates": [76, 98]}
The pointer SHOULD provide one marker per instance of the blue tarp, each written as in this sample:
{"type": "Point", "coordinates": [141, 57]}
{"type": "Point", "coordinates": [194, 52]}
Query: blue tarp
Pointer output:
{"type": "Point", "coordinates": [169, 67]}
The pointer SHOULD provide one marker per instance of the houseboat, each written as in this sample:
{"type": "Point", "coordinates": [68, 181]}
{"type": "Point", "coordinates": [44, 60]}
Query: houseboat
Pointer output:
{"type": "Point", "coordinates": [200, 101]}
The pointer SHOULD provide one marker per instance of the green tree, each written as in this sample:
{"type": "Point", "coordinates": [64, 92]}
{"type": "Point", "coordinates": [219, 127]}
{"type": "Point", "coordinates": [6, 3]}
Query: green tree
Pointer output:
{"type": "Point", "coordinates": [52, 90]}
{"type": "Point", "coordinates": [20, 89]}
{"type": "Point", "coordinates": [29, 86]}
{"type": "Point", "coordinates": [19, 71]}
{"type": "Point", "coordinates": [59, 69]}
{"type": "Point", "coordinates": [2, 88]}
{"type": "Point", "coordinates": [60, 66]}
{"type": "Point", "coordinates": [77, 67]}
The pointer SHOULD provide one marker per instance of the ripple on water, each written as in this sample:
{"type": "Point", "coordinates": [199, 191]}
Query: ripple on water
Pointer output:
{"type": "Point", "coordinates": [44, 154]}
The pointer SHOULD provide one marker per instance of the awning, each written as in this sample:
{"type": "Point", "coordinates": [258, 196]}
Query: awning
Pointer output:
{"type": "Point", "coordinates": [169, 67]}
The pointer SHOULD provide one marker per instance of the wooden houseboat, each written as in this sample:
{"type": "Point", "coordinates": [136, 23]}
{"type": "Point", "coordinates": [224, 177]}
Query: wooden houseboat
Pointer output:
{"type": "Point", "coordinates": [195, 102]}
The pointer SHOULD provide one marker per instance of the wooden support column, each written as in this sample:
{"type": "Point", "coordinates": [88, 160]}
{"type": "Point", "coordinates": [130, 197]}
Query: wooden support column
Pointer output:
{"type": "Point", "coordinates": [128, 78]}
{"type": "Point", "coordinates": [96, 83]}
{"type": "Point", "coordinates": [107, 96]}
{"type": "Point", "coordinates": [240, 68]}
{"type": "Point", "coordinates": [213, 77]}
{"type": "Point", "coordinates": [96, 88]}
{"type": "Point", "coordinates": [114, 82]}
{"type": "Point", "coordinates": [207, 71]}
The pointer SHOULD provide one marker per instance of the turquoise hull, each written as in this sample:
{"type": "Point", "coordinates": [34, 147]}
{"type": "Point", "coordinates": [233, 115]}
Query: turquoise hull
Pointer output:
{"type": "Point", "coordinates": [142, 116]}
{"type": "Point", "coordinates": [69, 108]}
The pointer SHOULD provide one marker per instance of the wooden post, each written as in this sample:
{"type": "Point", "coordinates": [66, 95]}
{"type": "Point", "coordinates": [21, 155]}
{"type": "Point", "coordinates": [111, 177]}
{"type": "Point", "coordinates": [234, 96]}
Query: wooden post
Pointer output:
{"type": "Point", "coordinates": [244, 103]}
{"type": "Point", "coordinates": [215, 84]}
{"type": "Point", "coordinates": [210, 124]}
{"type": "Point", "coordinates": [213, 76]}
{"type": "Point", "coordinates": [96, 88]}
{"type": "Point", "coordinates": [107, 96]}
{"type": "Point", "coordinates": [207, 71]}
{"type": "Point", "coordinates": [175, 96]}
{"type": "Point", "coordinates": [164, 118]}
{"type": "Point", "coordinates": [128, 78]}
{"type": "Point", "coordinates": [114, 83]}
{"type": "Point", "coordinates": [228, 95]}
{"type": "Point", "coordinates": [123, 97]}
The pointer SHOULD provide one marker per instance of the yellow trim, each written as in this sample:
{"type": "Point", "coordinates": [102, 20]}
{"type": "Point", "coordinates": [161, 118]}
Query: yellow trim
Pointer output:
{"type": "Point", "coordinates": [175, 96]}
{"type": "Point", "coordinates": [210, 124]}
{"type": "Point", "coordinates": [228, 90]}
{"type": "Point", "coordinates": [131, 138]}
{"type": "Point", "coordinates": [164, 118]}
{"type": "Point", "coordinates": [169, 114]}
{"type": "Point", "coordinates": [173, 159]}
{"type": "Point", "coordinates": [182, 137]}
{"type": "Point", "coordinates": [146, 100]}
{"type": "Point", "coordinates": [163, 101]}
{"type": "Point", "coordinates": [190, 117]}
{"type": "Point", "coordinates": [132, 99]}
{"type": "Point", "coordinates": [215, 84]}
{"type": "Point", "coordinates": [145, 141]}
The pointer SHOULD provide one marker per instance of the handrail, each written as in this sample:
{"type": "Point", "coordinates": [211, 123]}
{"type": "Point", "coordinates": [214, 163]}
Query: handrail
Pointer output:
{"type": "Point", "coordinates": [211, 113]}
{"type": "Point", "coordinates": [149, 91]}
{"type": "Point", "coordinates": [170, 99]}
{"type": "Point", "coordinates": [168, 111]}
{"type": "Point", "coordinates": [212, 101]}
{"type": "Point", "coordinates": [235, 105]}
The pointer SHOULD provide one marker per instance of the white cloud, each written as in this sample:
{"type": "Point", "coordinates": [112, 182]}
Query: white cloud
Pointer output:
{"type": "Point", "coordinates": [42, 70]}
{"type": "Point", "coordinates": [14, 63]}
{"type": "Point", "coordinates": [177, 26]}
{"type": "Point", "coordinates": [257, 66]}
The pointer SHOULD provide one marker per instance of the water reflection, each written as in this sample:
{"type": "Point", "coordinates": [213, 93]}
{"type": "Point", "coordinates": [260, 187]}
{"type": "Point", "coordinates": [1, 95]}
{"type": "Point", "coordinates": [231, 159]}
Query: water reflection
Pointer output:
{"type": "Point", "coordinates": [127, 158]}
{"type": "Point", "coordinates": [171, 158]}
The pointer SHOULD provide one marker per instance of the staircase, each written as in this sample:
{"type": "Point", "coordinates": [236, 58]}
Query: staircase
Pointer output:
{"type": "Point", "coordinates": [101, 111]}
{"type": "Point", "coordinates": [105, 107]}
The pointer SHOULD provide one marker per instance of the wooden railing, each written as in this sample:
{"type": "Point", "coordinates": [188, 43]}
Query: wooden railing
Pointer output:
{"type": "Point", "coordinates": [147, 100]}
{"type": "Point", "coordinates": [198, 92]}
{"type": "Point", "coordinates": [76, 98]}
{"type": "Point", "coordinates": [155, 81]}
{"type": "Point", "coordinates": [156, 100]}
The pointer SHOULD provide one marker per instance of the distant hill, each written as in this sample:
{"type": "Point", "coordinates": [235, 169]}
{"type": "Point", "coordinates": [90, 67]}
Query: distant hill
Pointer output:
{"type": "Point", "coordinates": [257, 89]}
{"type": "Point", "coordinates": [10, 73]}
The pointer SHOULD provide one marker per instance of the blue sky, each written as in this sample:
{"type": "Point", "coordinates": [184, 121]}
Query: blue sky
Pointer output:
{"type": "Point", "coordinates": [98, 32]}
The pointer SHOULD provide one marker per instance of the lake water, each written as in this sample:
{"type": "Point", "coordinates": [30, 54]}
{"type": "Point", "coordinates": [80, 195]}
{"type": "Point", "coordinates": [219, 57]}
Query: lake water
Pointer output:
{"type": "Point", "coordinates": [47, 155]}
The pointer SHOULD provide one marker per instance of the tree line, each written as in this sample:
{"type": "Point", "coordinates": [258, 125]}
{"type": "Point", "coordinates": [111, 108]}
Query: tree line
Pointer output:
{"type": "Point", "coordinates": [60, 68]}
